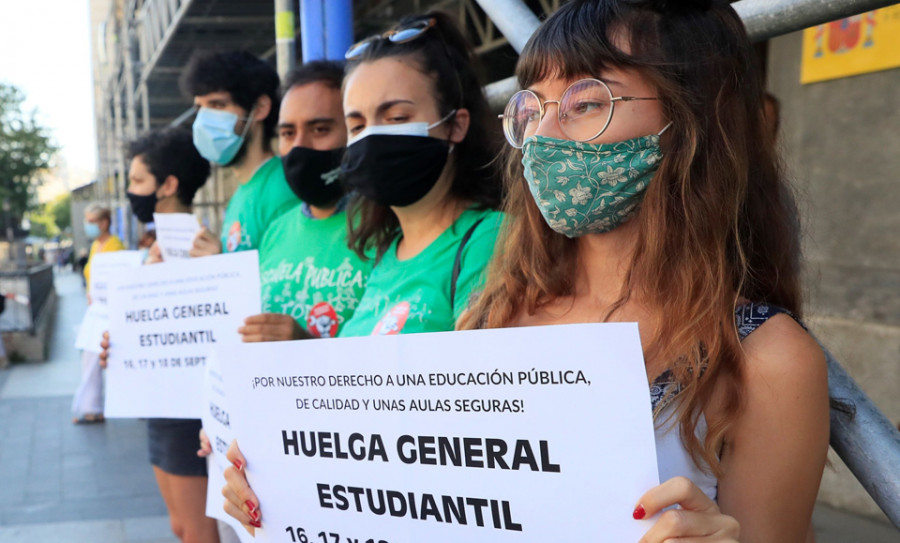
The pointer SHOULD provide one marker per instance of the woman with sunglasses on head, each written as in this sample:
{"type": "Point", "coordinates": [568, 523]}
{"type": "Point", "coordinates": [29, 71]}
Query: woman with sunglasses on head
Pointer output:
{"type": "Point", "coordinates": [419, 158]}
{"type": "Point", "coordinates": [649, 191]}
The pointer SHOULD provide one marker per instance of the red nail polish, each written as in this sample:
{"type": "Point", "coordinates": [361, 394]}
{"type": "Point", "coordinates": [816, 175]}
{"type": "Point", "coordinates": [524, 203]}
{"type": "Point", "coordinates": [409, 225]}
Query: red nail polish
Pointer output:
{"type": "Point", "coordinates": [250, 506]}
{"type": "Point", "coordinates": [256, 524]}
{"type": "Point", "coordinates": [639, 512]}
{"type": "Point", "coordinates": [254, 516]}
{"type": "Point", "coordinates": [238, 465]}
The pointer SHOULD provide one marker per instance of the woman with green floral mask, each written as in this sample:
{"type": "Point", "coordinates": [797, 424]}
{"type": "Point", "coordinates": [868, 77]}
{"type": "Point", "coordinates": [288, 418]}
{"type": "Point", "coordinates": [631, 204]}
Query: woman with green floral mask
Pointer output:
{"type": "Point", "coordinates": [644, 187]}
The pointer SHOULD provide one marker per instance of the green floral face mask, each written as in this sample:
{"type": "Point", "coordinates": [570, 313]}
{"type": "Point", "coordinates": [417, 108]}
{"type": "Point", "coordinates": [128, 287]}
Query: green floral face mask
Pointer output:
{"type": "Point", "coordinates": [588, 188]}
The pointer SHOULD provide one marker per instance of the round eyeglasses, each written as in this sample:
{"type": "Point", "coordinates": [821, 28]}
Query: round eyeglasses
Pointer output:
{"type": "Point", "coordinates": [584, 111]}
{"type": "Point", "coordinates": [396, 35]}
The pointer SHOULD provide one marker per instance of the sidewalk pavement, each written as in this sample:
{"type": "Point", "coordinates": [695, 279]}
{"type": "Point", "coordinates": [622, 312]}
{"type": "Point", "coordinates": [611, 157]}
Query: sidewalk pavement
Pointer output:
{"type": "Point", "coordinates": [65, 483]}
{"type": "Point", "coordinates": [61, 483]}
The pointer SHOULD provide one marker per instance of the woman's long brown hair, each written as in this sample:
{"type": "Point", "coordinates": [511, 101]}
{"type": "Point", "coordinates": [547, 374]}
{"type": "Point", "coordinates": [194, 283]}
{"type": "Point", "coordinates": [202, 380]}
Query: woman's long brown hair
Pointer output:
{"type": "Point", "coordinates": [718, 222]}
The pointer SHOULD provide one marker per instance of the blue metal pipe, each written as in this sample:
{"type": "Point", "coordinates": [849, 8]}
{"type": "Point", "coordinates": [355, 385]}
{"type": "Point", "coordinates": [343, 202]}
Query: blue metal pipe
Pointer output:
{"type": "Point", "coordinates": [312, 29]}
{"type": "Point", "coordinates": [326, 28]}
{"type": "Point", "coordinates": [338, 28]}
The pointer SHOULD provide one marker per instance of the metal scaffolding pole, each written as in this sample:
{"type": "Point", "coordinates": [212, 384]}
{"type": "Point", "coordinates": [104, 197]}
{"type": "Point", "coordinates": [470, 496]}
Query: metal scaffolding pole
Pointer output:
{"type": "Point", "coordinates": [514, 20]}
{"type": "Point", "coordinates": [865, 440]}
{"type": "Point", "coordinates": [127, 55]}
{"type": "Point", "coordinates": [145, 106]}
{"type": "Point", "coordinates": [118, 139]}
{"type": "Point", "coordinates": [110, 137]}
{"type": "Point", "coordinates": [285, 43]}
{"type": "Point", "coordinates": [766, 19]}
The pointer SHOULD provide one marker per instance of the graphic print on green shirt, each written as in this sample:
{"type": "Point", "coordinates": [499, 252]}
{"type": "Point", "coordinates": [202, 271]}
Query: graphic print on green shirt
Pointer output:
{"type": "Point", "coordinates": [308, 272]}
{"type": "Point", "coordinates": [413, 295]}
{"type": "Point", "coordinates": [254, 205]}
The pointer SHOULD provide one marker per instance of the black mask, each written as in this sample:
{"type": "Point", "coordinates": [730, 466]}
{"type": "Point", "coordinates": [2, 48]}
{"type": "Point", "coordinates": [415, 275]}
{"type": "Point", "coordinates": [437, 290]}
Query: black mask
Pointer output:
{"type": "Point", "coordinates": [143, 206]}
{"type": "Point", "coordinates": [394, 170]}
{"type": "Point", "coordinates": [313, 175]}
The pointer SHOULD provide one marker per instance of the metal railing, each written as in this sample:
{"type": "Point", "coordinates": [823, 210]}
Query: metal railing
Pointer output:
{"type": "Point", "coordinates": [764, 19]}
{"type": "Point", "coordinates": [25, 292]}
{"type": "Point", "coordinates": [860, 434]}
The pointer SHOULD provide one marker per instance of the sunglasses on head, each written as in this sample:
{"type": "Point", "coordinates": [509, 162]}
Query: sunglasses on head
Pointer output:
{"type": "Point", "coordinates": [401, 34]}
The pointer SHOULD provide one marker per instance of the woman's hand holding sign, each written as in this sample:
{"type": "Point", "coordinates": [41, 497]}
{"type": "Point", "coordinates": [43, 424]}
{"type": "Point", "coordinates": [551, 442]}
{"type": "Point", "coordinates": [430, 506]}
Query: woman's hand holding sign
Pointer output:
{"type": "Point", "coordinates": [240, 501]}
{"type": "Point", "coordinates": [697, 519]}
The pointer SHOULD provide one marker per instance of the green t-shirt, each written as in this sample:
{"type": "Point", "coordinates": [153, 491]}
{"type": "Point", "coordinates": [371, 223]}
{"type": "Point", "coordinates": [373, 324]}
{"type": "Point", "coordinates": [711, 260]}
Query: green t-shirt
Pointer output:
{"type": "Point", "coordinates": [308, 272]}
{"type": "Point", "coordinates": [410, 296]}
{"type": "Point", "coordinates": [254, 205]}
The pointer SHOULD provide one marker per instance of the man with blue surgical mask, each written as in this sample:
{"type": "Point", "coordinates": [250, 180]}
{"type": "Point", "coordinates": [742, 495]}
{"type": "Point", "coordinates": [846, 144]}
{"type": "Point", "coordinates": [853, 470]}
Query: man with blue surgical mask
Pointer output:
{"type": "Point", "coordinates": [236, 96]}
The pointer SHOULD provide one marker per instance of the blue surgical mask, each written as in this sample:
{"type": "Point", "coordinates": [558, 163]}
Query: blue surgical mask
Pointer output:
{"type": "Point", "coordinates": [214, 135]}
{"type": "Point", "coordinates": [91, 230]}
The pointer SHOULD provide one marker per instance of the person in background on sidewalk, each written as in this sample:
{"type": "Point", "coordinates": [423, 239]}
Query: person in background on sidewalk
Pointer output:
{"type": "Point", "coordinates": [237, 97]}
{"type": "Point", "coordinates": [87, 405]}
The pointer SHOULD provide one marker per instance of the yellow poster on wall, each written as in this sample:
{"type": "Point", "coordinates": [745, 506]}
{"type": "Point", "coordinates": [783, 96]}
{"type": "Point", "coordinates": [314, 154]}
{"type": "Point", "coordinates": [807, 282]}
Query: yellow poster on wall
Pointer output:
{"type": "Point", "coordinates": [856, 45]}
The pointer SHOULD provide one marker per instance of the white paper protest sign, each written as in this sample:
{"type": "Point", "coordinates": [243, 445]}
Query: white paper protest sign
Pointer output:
{"type": "Point", "coordinates": [175, 233]}
{"type": "Point", "coordinates": [217, 425]}
{"type": "Point", "coordinates": [510, 435]}
{"type": "Point", "coordinates": [104, 267]}
{"type": "Point", "coordinates": [164, 319]}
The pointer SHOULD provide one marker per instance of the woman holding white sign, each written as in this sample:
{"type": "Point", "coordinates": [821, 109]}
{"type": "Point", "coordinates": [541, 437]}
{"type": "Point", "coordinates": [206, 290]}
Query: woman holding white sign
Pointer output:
{"type": "Point", "coordinates": [165, 174]}
{"type": "Point", "coordinates": [644, 186]}
{"type": "Point", "coordinates": [419, 157]}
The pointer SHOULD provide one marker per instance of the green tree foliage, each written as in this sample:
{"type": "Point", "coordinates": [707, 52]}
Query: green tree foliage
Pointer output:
{"type": "Point", "coordinates": [42, 225]}
{"type": "Point", "coordinates": [52, 218]}
{"type": "Point", "coordinates": [25, 151]}
{"type": "Point", "coordinates": [61, 210]}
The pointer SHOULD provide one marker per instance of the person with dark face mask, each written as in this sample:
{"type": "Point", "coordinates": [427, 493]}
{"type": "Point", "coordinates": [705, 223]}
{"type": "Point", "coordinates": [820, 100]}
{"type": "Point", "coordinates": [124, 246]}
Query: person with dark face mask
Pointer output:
{"type": "Point", "coordinates": [420, 160]}
{"type": "Point", "coordinates": [166, 172]}
{"type": "Point", "coordinates": [309, 241]}
{"type": "Point", "coordinates": [236, 96]}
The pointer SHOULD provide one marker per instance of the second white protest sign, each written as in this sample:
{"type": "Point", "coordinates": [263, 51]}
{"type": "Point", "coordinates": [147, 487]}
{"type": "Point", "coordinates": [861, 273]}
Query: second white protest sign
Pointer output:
{"type": "Point", "coordinates": [164, 318]}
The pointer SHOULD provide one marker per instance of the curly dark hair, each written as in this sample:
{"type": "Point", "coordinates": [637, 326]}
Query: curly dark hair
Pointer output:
{"type": "Point", "coordinates": [444, 54]}
{"type": "Point", "coordinates": [171, 151]}
{"type": "Point", "coordinates": [239, 73]}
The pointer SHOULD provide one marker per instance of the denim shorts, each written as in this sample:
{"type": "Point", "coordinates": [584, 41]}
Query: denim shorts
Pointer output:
{"type": "Point", "coordinates": [173, 446]}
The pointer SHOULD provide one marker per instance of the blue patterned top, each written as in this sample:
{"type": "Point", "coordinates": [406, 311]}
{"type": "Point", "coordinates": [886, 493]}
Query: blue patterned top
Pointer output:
{"type": "Point", "coordinates": [747, 317]}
